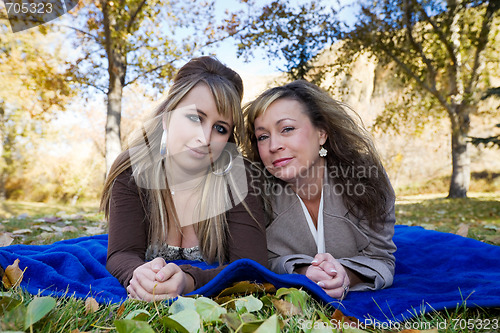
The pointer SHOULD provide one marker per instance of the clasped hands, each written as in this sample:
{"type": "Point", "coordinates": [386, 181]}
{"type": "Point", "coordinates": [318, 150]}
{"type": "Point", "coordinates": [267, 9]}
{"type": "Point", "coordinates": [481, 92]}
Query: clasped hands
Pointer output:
{"type": "Point", "coordinates": [329, 274]}
{"type": "Point", "coordinates": [156, 280]}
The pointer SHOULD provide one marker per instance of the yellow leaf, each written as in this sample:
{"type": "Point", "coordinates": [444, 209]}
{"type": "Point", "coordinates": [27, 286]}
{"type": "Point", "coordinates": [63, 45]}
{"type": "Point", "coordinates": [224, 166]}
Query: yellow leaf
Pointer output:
{"type": "Point", "coordinates": [13, 275]}
{"type": "Point", "coordinates": [91, 305]}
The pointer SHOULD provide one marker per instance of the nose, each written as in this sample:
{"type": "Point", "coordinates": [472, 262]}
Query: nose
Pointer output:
{"type": "Point", "coordinates": [275, 144]}
{"type": "Point", "coordinates": [204, 135]}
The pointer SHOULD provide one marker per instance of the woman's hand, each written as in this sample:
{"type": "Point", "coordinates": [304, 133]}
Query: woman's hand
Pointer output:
{"type": "Point", "coordinates": [156, 280]}
{"type": "Point", "coordinates": [329, 274]}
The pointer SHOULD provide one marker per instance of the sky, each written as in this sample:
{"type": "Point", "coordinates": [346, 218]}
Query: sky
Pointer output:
{"type": "Point", "coordinates": [259, 65]}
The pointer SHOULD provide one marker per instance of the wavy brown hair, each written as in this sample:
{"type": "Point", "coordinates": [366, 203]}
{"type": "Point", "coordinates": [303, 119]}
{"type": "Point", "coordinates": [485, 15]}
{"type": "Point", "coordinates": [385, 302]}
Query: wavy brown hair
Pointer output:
{"type": "Point", "coordinates": [348, 144]}
{"type": "Point", "coordinates": [227, 89]}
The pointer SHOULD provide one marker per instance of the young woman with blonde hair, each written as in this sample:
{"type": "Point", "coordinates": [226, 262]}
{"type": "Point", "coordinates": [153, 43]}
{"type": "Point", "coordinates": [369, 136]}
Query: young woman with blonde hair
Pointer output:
{"type": "Point", "coordinates": [179, 192]}
{"type": "Point", "coordinates": [332, 203]}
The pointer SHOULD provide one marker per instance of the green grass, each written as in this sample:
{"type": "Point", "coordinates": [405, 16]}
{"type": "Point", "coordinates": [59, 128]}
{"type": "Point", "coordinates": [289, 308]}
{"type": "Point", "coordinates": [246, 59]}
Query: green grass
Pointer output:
{"type": "Point", "coordinates": [480, 214]}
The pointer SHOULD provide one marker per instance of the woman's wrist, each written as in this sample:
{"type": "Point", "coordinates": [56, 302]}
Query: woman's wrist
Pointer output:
{"type": "Point", "coordinates": [301, 269]}
{"type": "Point", "coordinates": [189, 283]}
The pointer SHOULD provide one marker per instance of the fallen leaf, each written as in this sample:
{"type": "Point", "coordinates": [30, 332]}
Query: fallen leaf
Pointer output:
{"type": "Point", "coordinates": [94, 230]}
{"type": "Point", "coordinates": [5, 239]}
{"type": "Point", "coordinates": [13, 275]}
{"type": "Point", "coordinates": [286, 308]}
{"type": "Point", "coordinates": [43, 227]}
{"type": "Point", "coordinates": [37, 309]}
{"type": "Point", "coordinates": [338, 317]}
{"type": "Point", "coordinates": [69, 228]}
{"type": "Point", "coordinates": [495, 239]}
{"type": "Point", "coordinates": [463, 230]}
{"type": "Point", "coordinates": [91, 305]}
{"type": "Point", "coordinates": [22, 231]}
{"type": "Point", "coordinates": [246, 287]}
{"type": "Point", "coordinates": [120, 310]}
{"type": "Point", "coordinates": [52, 219]}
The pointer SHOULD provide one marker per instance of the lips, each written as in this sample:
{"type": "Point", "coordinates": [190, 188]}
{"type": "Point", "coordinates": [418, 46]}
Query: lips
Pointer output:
{"type": "Point", "coordinates": [281, 162]}
{"type": "Point", "coordinates": [198, 152]}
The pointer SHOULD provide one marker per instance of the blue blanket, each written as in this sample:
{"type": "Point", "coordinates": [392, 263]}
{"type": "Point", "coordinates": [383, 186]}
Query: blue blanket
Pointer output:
{"type": "Point", "coordinates": [434, 271]}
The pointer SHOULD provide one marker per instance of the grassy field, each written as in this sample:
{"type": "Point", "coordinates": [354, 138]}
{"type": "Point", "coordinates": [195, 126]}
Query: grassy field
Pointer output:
{"type": "Point", "coordinates": [476, 217]}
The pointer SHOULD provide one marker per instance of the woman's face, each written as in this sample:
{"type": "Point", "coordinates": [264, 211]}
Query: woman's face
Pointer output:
{"type": "Point", "coordinates": [197, 133]}
{"type": "Point", "coordinates": [288, 142]}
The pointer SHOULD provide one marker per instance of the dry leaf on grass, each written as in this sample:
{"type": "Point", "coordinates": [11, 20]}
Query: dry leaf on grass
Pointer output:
{"type": "Point", "coordinates": [463, 230]}
{"type": "Point", "coordinates": [13, 275]}
{"type": "Point", "coordinates": [5, 239]}
{"type": "Point", "coordinates": [286, 308]}
{"type": "Point", "coordinates": [338, 317]}
{"type": "Point", "coordinates": [91, 305]}
{"type": "Point", "coordinates": [120, 310]}
{"type": "Point", "coordinates": [22, 231]}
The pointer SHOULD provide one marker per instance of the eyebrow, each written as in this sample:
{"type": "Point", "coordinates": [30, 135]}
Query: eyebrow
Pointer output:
{"type": "Point", "coordinates": [277, 123]}
{"type": "Point", "coordinates": [219, 121]}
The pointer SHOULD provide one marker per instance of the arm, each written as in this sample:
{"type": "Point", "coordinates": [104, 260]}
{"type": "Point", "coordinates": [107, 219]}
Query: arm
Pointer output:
{"type": "Point", "coordinates": [127, 240]}
{"type": "Point", "coordinates": [374, 268]}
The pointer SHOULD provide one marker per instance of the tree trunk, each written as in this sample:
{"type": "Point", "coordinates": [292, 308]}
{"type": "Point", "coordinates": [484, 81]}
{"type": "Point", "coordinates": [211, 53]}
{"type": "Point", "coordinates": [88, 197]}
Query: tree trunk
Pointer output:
{"type": "Point", "coordinates": [113, 119]}
{"type": "Point", "coordinates": [460, 177]}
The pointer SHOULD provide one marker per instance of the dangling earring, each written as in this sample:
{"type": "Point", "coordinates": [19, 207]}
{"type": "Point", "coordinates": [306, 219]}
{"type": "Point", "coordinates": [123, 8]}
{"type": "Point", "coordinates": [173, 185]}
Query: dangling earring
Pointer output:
{"type": "Point", "coordinates": [163, 144]}
{"type": "Point", "coordinates": [323, 152]}
{"type": "Point", "coordinates": [228, 167]}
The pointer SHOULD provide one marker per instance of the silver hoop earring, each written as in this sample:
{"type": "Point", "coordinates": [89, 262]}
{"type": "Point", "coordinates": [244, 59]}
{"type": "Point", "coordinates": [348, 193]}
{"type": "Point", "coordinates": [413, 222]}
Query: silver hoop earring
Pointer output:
{"type": "Point", "coordinates": [323, 152]}
{"type": "Point", "coordinates": [228, 167]}
{"type": "Point", "coordinates": [163, 144]}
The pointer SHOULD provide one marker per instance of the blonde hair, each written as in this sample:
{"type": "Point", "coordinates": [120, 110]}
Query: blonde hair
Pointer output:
{"type": "Point", "coordinates": [226, 87]}
{"type": "Point", "coordinates": [348, 144]}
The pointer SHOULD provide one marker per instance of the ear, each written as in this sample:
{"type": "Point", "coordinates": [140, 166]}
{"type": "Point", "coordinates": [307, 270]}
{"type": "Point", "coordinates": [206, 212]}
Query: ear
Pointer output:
{"type": "Point", "coordinates": [322, 136]}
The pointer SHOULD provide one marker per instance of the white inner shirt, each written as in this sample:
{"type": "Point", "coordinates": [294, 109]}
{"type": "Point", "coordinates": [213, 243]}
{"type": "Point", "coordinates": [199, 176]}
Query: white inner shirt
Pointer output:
{"type": "Point", "coordinates": [318, 234]}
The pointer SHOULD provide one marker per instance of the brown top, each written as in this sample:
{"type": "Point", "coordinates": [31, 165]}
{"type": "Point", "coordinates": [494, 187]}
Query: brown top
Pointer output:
{"type": "Point", "coordinates": [129, 232]}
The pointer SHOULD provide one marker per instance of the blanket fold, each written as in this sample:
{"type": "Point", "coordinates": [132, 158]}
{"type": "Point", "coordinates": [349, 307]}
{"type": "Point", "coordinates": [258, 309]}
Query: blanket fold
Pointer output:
{"type": "Point", "coordinates": [434, 270]}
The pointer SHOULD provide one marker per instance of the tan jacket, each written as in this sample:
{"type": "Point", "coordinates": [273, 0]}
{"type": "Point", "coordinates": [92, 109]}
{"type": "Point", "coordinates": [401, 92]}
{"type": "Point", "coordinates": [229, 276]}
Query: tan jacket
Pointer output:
{"type": "Point", "coordinates": [347, 238]}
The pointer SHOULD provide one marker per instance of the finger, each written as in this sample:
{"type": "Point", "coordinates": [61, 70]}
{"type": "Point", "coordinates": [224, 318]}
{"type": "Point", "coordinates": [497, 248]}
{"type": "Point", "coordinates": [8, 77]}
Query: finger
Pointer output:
{"type": "Point", "coordinates": [329, 268]}
{"type": "Point", "coordinates": [167, 272]}
{"type": "Point", "coordinates": [316, 274]}
{"type": "Point", "coordinates": [335, 293]}
{"type": "Point", "coordinates": [330, 284]}
{"type": "Point", "coordinates": [320, 257]}
{"type": "Point", "coordinates": [137, 292]}
{"type": "Point", "coordinates": [157, 264]}
{"type": "Point", "coordinates": [131, 292]}
{"type": "Point", "coordinates": [174, 286]}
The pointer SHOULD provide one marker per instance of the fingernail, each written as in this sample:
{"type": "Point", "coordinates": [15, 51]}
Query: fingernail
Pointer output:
{"type": "Point", "coordinates": [314, 261]}
{"type": "Point", "coordinates": [321, 284]}
{"type": "Point", "coordinates": [157, 267]}
{"type": "Point", "coordinates": [160, 276]}
{"type": "Point", "coordinates": [333, 271]}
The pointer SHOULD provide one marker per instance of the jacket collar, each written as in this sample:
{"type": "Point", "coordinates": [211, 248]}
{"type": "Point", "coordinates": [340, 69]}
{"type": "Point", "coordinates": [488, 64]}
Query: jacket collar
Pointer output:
{"type": "Point", "coordinates": [285, 199]}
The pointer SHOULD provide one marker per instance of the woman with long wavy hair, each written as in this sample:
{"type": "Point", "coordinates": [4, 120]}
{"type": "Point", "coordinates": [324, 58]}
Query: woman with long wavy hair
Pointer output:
{"type": "Point", "coordinates": [332, 203]}
{"type": "Point", "coordinates": [179, 192]}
